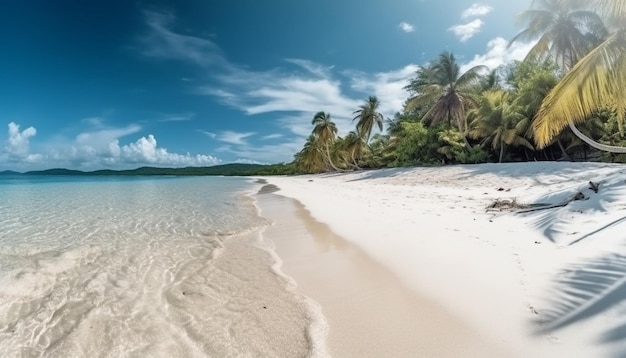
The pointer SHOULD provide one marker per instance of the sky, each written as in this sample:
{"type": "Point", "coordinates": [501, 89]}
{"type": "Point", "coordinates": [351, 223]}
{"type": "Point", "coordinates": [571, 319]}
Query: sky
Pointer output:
{"type": "Point", "coordinates": [121, 84]}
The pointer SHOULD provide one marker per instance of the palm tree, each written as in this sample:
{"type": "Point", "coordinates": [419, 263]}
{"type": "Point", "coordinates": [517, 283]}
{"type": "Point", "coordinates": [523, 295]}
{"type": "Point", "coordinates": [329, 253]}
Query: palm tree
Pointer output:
{"type": "Point", "coordinates": [498, 122]}
{"type": "Point", "coordinates": [354, 146]}
{"type": "Point", "coordinates": [368, 116]}
{"type": "Point", "coordinates": [594, 82]}
{"type": "Point", "coordinates": [532, 81]}
{"type": "Point", "coordinates": [492, 80]}
{"type": "Point", "coordinates": [310, 159]}
{"type": "Point", "coordinates": [564, 29]}
{"type": "Point", "coordinates": [445, 91]}
{"type": "Point", "coordinates": [326, 132]}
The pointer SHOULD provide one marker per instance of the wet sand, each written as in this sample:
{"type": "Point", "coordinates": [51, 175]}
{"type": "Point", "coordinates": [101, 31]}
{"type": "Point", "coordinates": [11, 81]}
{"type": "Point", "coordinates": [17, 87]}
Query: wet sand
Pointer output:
{"type": "Point", "coordinates": [369, 311]}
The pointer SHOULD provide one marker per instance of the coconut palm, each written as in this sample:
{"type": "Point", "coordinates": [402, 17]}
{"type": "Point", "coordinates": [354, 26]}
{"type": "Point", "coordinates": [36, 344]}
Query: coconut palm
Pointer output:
{"type": "Point", "coordinates": [445, 91]}
{"type": "Point", "coordinates": [564, 28]}
{"type": "Point", "coordinates": [595, 81]}
{"type": "Point", "coordinates": [499, 123]}
{"type": "Point", "coordinates": [354, 147]}
{"type": "Point", "coordinates": [368, 117]}
{"type": "Point", "coordinates": [325, 131]}
{"type": "Point", "coordinates": [311, 158]}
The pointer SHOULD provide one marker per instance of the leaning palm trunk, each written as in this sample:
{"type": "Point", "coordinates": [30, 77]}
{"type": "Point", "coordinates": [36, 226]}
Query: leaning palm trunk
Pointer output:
{"type": "Point", "coordinates": [354, 161]}
{"type": "Point", "coordinates": [594, 144]}
{"type": "Point", "coordinates": [330, 161]}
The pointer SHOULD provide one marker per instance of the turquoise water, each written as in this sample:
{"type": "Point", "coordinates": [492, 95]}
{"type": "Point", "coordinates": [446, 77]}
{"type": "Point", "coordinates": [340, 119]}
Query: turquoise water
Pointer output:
{"type": "Point", "coordinates": [158, 266]}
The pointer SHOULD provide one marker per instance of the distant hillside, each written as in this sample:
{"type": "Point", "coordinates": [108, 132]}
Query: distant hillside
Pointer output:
{"type": "Point", "coordinates": [9, 172]}
{"type": "Point", "coordinates": [234, 169]}
{"type": "Point", "coordinates": [56, 171]}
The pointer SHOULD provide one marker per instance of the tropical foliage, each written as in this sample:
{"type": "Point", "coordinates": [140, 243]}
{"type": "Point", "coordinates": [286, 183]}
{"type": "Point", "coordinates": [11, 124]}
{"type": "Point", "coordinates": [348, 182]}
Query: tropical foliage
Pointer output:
{"type": "Point", "coordinates": [575, 73]}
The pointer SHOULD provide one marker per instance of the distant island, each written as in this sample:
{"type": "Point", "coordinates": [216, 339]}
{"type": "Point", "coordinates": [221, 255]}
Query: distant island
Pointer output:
{"type": "Point", "coordinates": [234, 169]}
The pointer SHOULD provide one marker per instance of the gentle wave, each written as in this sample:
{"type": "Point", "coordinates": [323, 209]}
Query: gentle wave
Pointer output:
{"type": "Point", "coordinates": [162, 267]}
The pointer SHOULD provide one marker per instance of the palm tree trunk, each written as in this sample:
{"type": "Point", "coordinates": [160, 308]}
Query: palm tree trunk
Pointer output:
{"type": "Point", "coordinates": [467, 143]}
{"type": "Point", "coordinates": [330, 161]}
{"type": "Point", "coordinates": [354, 160]}
{"type": "Point", "coordinates": [594, 144]}
{"type": "Point", "coordinates": [501, 152]}
{"type": "Point", "coordinates": [563, 149]}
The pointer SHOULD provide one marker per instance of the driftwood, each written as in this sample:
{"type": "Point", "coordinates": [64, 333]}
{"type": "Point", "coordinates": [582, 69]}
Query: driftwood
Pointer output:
{"type": "Point", "coordinates": [506, 204]}
{"type": "Point", "coordinates": [520, 208]}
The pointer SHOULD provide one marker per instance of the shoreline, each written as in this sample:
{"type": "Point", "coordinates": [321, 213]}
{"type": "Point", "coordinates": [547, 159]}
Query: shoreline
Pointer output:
{"type": "Point", "coordinates": [504, 275]}
{"type": "Point", "coordinates": [369, 311]}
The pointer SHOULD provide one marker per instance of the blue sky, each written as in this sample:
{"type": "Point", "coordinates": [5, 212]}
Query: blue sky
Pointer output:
{"type": "Point", "coordinates": [122, 84]}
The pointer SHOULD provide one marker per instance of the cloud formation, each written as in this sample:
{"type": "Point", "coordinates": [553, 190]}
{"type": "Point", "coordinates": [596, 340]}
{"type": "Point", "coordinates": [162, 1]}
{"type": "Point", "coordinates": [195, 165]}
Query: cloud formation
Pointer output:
{"type": "Point", "coordinates": [231, 137]}
{"type": "Point", "coordinates": [162, 43]}
{"type": "Point", "coordinates": [476, 10]}
{"type": "Point", "coordinates": [406, 27]}
{"type": "Point", "coordinates": [499, 53]}
{"type": "Point", "coordinates": [146, 150]}
{"type": "Point", "coordinates": [292, 93]}
{"type": "Point", "coordinates": [17, 145]}
{"type": "Point", "coordinates": [96, 149]}
{"type": "Point", "coordinates": [467, 31]}
{"type": "Point", "coordinates": [295, 90]}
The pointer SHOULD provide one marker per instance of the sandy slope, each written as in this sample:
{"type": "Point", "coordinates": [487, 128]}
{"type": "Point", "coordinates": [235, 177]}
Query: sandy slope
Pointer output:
{"type": "Point", "coordinates": [544, 283]}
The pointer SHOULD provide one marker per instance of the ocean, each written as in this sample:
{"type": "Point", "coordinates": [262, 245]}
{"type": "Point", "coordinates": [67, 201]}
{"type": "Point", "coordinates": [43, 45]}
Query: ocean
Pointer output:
{"type": "Point", "coordinates": [142, 267]}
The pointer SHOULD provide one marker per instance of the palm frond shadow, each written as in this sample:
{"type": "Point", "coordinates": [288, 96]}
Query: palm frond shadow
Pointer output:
{"type": "Point", "coordinates": [552, 213]}
{"type": "Point", "coordinates": [586, 290]}
{"type": "Point", "coordinates": [381, 173]}
{"type": "Point", "coordinates": [531, 170]}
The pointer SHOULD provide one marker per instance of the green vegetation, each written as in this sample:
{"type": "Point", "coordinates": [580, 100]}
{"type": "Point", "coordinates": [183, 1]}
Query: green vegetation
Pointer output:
{"type": "Point", "coordinates": [576, 73]}
{"type": "Point", "coordinates": [226, 170]}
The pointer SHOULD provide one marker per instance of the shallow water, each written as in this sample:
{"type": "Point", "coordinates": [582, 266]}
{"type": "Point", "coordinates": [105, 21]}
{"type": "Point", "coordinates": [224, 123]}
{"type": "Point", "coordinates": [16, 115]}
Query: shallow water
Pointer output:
{"type": "Point", "coordinates": [140, 267]}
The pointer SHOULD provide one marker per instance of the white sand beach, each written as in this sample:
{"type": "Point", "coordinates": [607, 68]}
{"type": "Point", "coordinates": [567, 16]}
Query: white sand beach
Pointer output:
{"type": "Point", "coordinates": [544, 283]}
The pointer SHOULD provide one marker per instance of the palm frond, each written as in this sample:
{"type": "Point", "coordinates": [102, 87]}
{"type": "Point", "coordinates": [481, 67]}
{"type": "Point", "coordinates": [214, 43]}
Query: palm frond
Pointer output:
{"type": "Point", "coordinates": [614, 10]}
{"type": "Point", "coordinates": [596, 80]}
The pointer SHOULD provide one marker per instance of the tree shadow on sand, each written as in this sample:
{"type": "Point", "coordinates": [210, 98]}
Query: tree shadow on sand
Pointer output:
{"type": "Point", "coordinates": [554, 212]}
{"type": "Point", "coordinates": [585, 290]}
{"type": "Point", "coordinates": [380, 173]}
{"type": "Point", "coordinates": [532, 170]}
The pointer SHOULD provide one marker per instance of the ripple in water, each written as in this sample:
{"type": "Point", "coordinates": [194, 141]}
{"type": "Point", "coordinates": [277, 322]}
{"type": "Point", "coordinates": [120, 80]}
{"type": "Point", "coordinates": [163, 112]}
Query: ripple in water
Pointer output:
{"type": "Point", "coordinates": [167, 267]}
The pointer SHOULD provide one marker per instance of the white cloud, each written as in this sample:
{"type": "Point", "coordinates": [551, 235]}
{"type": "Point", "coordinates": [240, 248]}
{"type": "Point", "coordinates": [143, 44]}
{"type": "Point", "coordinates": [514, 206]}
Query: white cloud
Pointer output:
{"type": "Point", "coordinates": [270, 153]}
{"type": "Point", "coordinates": [387, 86]}
{"type": "Point", "coordinates": [161, 42]}
{"type": "Point", "coordinates": [208, 134]}
{"type": "Point", "coordinates": [94, 149]}
{"type": "Point", "coordinates": [235, 138]}
{"type": "Point", "coordinates": [99, 140]}
{"type": "Point", "coordinates": [292, 94]}
{"type": "Point", "coordinates": [93, 121]}
{"type": "Point", "coordinates": [272, 136]}
{"type": "Point", "coordinates": [467, 31]}
{"type": "Point", "coordinates": [298, 95]}
{"type": "Point", "coordinates": [312, 67]}
{"type": "Point", "coordinates": [476, 10]}
{"type": "Point", "coordinates": [499, 53]}
{"type": "Point", "coordinates": [178, 117]}
{"type": "Point", "coordinates": [406, 27]}
{"type": "Point", "coordinates": [144, 151]}
{"type": "Point", "coordinates": [17, 145]}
